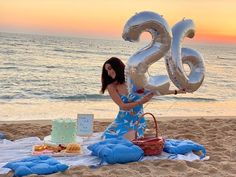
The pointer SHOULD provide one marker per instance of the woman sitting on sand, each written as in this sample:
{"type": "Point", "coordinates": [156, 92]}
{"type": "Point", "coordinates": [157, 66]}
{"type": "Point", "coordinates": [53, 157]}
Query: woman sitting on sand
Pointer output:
{"type": "Point", "coordinates": [113, 79]}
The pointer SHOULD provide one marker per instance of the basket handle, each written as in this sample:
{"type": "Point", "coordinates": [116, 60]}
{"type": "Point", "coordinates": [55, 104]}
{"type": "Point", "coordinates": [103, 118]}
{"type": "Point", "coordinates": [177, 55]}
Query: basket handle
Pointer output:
{"type": "Point", "coordinates": [142, 115]}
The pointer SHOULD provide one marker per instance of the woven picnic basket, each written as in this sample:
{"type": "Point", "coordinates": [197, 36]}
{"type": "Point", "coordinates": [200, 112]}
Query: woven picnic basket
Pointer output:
{"type": "Point", "coordinates": [151, 145]}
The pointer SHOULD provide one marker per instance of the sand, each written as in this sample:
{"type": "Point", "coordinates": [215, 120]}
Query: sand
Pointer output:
{"type": "Point", "coordinates": [217, 134]}
{"type": "Point", "coordinates": [44, 110]}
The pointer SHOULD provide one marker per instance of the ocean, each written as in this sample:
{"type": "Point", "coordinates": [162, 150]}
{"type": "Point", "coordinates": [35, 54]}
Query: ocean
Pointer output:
{"type": "Point", "coordinates": [45, 77]}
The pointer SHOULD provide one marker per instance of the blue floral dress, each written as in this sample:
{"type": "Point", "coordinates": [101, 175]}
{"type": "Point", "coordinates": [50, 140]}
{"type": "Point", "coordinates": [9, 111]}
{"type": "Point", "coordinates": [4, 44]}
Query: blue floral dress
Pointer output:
{"type": "Point", "coordinates": [126, 120]}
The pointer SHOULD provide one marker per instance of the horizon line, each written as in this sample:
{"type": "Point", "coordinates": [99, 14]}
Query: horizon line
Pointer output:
{"type": "Point", "coordinates": [202, 40]}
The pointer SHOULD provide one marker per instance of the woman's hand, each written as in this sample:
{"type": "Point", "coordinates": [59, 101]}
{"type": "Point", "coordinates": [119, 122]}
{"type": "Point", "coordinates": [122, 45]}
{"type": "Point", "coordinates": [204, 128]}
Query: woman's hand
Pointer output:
{"type": "Point", "coordinates": [180, 91]}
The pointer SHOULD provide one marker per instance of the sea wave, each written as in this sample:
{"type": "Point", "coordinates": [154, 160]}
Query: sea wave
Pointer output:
{"type": "Point", "coordinates": [108, 52]}
{"type": "Point", "coordinates": [226, 58]}
{"type": "Point", "coordinates": [97, 97]}
{"type": "Point", "coordinates": [83, 97]}
{"type": "Point", "coordinates": [198, 99]}
{"type": "Point", "coordinates": [9, 67]}
{"type": "Point", "coordinates": [13, 97]}
{"type": "Point", "coordinates": [51, 95]}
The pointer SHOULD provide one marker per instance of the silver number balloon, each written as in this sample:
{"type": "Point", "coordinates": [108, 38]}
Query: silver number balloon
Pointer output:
{"type": "Point", "coordinates": [179, 56]}
{"type": "Point", "coordinates": [138, 63]}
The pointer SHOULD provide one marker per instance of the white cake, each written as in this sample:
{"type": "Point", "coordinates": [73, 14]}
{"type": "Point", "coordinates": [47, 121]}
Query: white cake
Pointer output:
{"type": "Point", "coordinates": [64, 131]}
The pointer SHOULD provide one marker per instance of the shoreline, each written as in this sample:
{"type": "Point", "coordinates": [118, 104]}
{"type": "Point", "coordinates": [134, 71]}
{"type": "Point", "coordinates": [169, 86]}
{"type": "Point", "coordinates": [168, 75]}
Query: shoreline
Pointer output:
{"type": "Point", "coordinates": [108, 110]}
{"type": "Point", "coordinates": [108, 120]}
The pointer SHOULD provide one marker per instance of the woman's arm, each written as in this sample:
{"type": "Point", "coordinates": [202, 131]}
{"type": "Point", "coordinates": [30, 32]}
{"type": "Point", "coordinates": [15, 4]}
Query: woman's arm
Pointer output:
{"type": "Point", "coordinates": [126, 106]}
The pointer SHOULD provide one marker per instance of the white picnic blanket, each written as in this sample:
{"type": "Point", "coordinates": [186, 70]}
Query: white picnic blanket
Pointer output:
{"type": "Point", "coordinates": [22, 148]}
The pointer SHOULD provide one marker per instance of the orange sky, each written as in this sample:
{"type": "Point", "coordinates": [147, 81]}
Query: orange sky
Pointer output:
{"type": "Point", "coordinates": [214, 19]}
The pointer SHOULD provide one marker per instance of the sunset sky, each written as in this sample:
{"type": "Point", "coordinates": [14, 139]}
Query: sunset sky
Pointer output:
{"type": "Point", "coordinates": [214, 19]}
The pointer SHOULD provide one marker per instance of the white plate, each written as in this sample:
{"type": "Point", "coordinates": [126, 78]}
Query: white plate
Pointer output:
{"type": "Point", "coordinates": [48, 140]}
{"type": "Point", "coordinates": [55, 154]}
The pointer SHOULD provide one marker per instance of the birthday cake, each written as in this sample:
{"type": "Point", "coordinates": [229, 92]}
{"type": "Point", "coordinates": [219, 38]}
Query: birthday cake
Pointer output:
{"type": "Point", "coordinates": [63, 131]}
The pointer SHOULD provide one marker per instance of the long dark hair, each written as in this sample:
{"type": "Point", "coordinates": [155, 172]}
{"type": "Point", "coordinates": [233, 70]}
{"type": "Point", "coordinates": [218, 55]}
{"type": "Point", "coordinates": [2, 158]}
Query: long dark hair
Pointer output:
{"type": "Point", "coordinates": [119, 68]}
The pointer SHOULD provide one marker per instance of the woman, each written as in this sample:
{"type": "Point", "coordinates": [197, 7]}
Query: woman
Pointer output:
{"type": "Point", "coordinates": [113, 79]}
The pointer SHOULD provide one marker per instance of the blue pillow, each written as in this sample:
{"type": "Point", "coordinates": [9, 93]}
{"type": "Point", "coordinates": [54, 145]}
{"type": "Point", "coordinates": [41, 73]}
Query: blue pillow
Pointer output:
{"type": "Point", "coordinates": [40, 165]}
{"type": "Point", "coordinates": [182, 147]}
{"type": "Point", "coordinates": [116, 150]}
{"type": "Point", "coordinates": [2, 136]}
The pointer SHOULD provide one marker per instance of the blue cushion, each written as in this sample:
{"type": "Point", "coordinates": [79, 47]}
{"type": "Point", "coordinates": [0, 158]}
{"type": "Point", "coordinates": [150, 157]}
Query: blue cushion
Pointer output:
{"type": "Point", "coordinates": [116, 150]}
{"type": "Point", "coordinates": [23, 171]}
{"type": "Point", "coordinates": [40, 165]}
{"type": "Point", "coordinates": [2, 136]}
{"type": "Point", "coordinates": [182, 147]}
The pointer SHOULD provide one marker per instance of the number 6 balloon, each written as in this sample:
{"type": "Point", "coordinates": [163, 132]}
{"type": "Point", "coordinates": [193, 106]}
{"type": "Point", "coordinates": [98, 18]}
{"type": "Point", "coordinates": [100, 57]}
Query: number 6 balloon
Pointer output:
{"type": "Point", "coordinates": [180, 56]}
{"type": "Point", "coordinates": [139, 62]}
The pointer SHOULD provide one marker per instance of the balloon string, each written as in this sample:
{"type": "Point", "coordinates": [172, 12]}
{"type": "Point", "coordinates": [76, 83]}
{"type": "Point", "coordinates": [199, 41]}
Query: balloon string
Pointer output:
{"type": "Point", "coordinates": [176, 101]}
{"type": "Point", "coordinates": [145, 105]}
{"type": "Point", "coordinates": [171, 106]}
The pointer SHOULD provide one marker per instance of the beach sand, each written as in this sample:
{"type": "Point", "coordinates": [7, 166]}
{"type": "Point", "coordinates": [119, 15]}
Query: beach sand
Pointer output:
{"type": "Point", "coordinates": [217, 134]}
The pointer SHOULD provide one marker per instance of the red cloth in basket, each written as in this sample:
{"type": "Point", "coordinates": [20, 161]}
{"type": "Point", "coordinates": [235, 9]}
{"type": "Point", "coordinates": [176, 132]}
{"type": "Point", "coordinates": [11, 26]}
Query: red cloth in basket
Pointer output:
{"type": "Point", "coordinates": [151, 145]}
